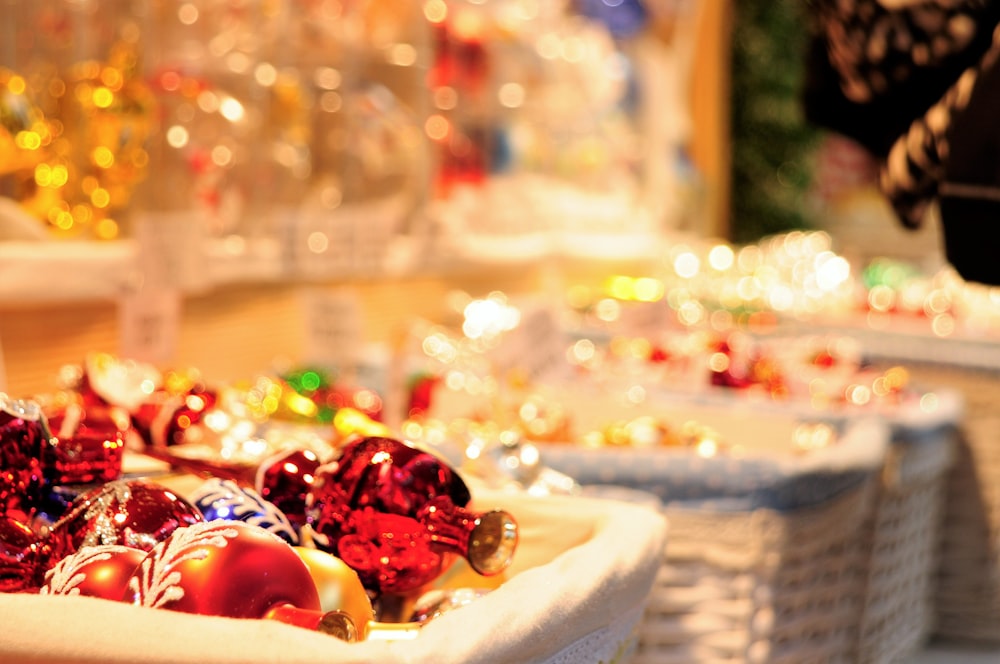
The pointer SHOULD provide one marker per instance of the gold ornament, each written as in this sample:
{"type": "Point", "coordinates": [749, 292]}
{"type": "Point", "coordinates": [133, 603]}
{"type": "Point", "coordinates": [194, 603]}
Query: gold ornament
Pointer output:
{"type": "Point", "coordinates": [339, 587]}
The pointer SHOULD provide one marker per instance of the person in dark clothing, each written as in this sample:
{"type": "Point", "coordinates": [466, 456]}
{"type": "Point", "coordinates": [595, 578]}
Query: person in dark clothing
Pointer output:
{"type": "Point", "coordinates": [917, 83]}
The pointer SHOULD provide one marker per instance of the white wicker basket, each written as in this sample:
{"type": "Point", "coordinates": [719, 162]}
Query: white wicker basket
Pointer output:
{"type": "Point", "coordinates": [759, 586]}
{"type": "Point", "coordinates": [903, 541]}
{"type": "Point", "coordinates": [967, 590]}
{"type": "Point", "coordinates": [966, 595]}
{"type": "Point", "coordinates": [760, 567]}
{"type": "Point", "coordinates": [577, 589]}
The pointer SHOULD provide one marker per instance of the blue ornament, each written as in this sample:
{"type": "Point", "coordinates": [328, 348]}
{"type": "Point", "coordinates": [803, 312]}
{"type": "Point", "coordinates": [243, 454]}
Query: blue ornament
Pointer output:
{"type": "Point", "coordinates": [225, 500]}
{"type": "Point", "coordinates": [622, 18]}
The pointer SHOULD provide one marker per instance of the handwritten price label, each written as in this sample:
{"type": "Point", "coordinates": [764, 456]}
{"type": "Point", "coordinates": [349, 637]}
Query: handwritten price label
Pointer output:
{"type": "Point", "coordinates": [149, 322]}
{"type": "Point", "coordinates": [333, 327]}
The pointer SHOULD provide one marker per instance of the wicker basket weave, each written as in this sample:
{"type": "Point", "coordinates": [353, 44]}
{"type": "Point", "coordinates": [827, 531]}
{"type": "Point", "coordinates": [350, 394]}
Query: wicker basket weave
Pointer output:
{"type": "Point", "coordinates": [574, 595]}
{"type": "Point", "coordinates": [967, 593]}
{"type": "Point", "coordinates": [902, 554]}
{"type": "Point", "coordinates": [760, 566]}
{"type": "Point", "coordinates": [892, 546]}
{"type": "Point", "coordinates": [759, 586]}
{"type": "Point", "coordinates": [967, 590]}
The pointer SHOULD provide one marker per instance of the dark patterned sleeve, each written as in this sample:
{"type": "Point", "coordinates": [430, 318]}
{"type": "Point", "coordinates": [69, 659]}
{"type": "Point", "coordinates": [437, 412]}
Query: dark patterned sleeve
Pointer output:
{"type": "Point", "coordinates": [916, 165]}
{"type": "Point", "coordinates": [873, 70]}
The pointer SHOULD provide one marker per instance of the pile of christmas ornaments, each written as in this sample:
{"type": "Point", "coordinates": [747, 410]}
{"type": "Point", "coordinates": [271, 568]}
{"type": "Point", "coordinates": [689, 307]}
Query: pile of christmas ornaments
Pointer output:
{"type": "Point", "coordinates": [348, 539]}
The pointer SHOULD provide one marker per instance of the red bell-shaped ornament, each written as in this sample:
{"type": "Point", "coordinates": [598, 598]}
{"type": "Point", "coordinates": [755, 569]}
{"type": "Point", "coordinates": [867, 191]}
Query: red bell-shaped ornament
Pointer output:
{"type": "Point", "coordinates": [398, 515]}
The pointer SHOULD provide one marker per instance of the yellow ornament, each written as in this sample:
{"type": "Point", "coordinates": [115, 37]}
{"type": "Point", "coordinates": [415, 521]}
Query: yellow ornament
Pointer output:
{"type": "Point", "coordinates": [339, 587]}
{"type": "Point", "coordinates": [350, 421]}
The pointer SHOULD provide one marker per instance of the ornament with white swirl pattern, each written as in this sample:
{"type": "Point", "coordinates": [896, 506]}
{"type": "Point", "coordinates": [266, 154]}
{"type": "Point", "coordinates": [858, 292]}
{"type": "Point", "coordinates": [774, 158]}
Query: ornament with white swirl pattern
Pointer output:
{"type": "Point", "coordinates": [94, 571]}
{"type": "Point", "coordinates": [233, 569]}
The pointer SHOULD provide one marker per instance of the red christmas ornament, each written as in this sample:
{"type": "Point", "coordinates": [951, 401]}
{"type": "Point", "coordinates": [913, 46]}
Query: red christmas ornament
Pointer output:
{"type": "Point", "coordinates": [94, 571]}
{"type": "Point", "coordinates": [87, 444]}
{"type": "Point", "coordinates": [285, 481]}
{"type": "Point", "coordinates": [398, 516]}
{"type": "Point", "coordinates": [421, 391]}
{"type": "Point", "coordinates": [133, 513]}
{"type": "Point", "coordinates": [22, 555]}
{"type": "Point", "coordinates": [235, 570]}
{"type": "Point", "coordinates": [23, 435]}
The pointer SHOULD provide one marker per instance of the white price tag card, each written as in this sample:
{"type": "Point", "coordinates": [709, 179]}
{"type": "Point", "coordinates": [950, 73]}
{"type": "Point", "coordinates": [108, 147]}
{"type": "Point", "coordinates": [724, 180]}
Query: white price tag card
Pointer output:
{"type": "Point", "coordinates": [149, 323]}
{"type": "Point", "coordinates": [333, 327]}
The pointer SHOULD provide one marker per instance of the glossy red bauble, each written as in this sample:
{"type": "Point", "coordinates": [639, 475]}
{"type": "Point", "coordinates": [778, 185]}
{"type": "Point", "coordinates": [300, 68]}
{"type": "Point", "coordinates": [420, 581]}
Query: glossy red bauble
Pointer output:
{"type": "Point", "coordinates": [94, 571]}
{"type": "Point", "coordinates": [285, 481]}
{"type": "Point", "coordinates": [134, 513]}
{"type": "Point", "coordinates": [224, 569]}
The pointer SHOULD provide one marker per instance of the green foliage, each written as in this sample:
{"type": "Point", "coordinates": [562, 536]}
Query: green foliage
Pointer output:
{"type": "Point", "coordinates": [772, 142]}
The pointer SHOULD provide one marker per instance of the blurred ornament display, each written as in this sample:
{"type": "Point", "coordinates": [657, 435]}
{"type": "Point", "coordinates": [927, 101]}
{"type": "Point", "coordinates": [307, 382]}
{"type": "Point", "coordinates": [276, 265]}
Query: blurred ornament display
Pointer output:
{"type": "Point", "coordinates": [82, 114]}
{"type": "Point", "coordinates": [316, 138]}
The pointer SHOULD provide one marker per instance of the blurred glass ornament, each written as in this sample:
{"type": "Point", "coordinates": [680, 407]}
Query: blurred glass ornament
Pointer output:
{"type": "Point", "coordinates": [508, 460]}
{"type": "Point", "coordinates": [500, 458]}
{"type": "Point", "coordinates": [396, 514]}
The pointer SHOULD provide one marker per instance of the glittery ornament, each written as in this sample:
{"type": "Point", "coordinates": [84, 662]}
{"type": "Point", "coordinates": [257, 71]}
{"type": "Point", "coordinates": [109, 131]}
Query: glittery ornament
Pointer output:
{"type": "Point", "coordinates": [94, 571]}
{"type": "Point", "coordinates": [221, 499]}
{"type": "Point", "coordinates": [398, 516]}
{"type": "Point", "coordinates": [235, 570]}
{"type": "Point", "coordinates": [24, 433]}
{"type": "Point", "coordinates": [22, 555]}
{"type": "Point", "coordinates": [133, 513]}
